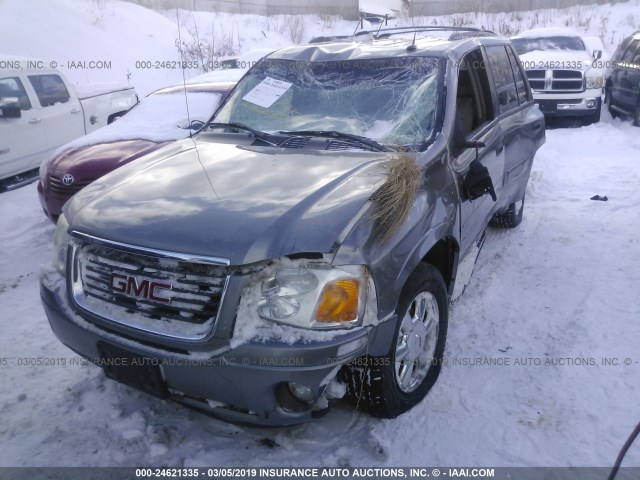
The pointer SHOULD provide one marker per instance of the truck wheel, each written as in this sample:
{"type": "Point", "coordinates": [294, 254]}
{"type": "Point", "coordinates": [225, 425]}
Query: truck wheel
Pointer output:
{"type": "Point", "coordinates": [591, 118]}
{"type": "Point", "coordinates": [511, 217]}
{"type": "Point", "coordinates": [388, 386]}
{"type": "Point", "coordinates": [607, 102]}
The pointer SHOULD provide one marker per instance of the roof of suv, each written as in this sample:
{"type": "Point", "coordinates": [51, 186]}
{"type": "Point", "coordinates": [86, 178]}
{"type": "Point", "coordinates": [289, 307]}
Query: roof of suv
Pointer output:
{"type": "Point", "coordinates": [547, 32]}
{"type": "Point", "coordinates": [369, 45]}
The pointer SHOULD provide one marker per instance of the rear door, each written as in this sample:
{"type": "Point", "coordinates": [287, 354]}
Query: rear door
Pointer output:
{"type": "Point", "coordinates": [476, 119]}
{"type": "Point", "coordinates": [60, 111]}
{"type": "Point", "coordinates": [523, 127]}
{"type": "Point", "coordinates": [23, 141]}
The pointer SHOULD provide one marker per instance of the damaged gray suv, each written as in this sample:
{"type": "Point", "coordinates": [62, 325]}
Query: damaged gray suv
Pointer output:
{"type": "Point", "coordinates": [305, 245]}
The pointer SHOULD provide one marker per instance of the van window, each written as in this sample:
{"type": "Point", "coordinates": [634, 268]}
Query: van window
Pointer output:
{"type": "Point", "coordinates": [631, 52]}
{"type": "Point", "coordinates": [617, 55]}
{"type": "Point", "coordinates": [636, 58]}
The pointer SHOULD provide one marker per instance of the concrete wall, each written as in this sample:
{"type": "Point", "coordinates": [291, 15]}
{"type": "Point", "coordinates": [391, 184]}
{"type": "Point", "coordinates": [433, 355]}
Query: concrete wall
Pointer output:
{"type": "Point", "coordinates": [446, 7]}
{"type": "Point", "coordinates": [348, 9]}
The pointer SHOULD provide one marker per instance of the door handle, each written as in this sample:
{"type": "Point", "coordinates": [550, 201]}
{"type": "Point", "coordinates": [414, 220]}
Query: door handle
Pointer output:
{"type": "Point", "coordinates": [535, 126]}
{"type": "Point", "coordinates": [35, 120]}
{"type": "Point", "coordinates": [75, 110]}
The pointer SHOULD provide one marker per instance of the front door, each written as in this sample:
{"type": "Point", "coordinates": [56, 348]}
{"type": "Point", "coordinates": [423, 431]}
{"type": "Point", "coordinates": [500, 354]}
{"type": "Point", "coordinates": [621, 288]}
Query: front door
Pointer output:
{"type": "Point", "coordinates": [23, 141]}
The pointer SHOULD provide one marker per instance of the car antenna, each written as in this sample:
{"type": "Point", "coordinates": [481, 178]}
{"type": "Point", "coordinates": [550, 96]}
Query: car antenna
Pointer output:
{"type": "Point", "coordinates": [413, 46]}
{"type": "Point", "coordinates": [360, 23]}
{"type": "Point", "coordinates": [186, 101]}
{"type": "Point", "coordinates": [184, 80]}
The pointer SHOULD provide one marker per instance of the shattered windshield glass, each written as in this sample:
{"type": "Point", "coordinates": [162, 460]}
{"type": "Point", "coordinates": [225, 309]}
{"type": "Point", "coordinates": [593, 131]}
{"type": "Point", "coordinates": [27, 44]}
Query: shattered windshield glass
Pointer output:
{"type": "Point", "coordinates": [545, 44]}
{"type": "Point", "coordinates": [390, 100]}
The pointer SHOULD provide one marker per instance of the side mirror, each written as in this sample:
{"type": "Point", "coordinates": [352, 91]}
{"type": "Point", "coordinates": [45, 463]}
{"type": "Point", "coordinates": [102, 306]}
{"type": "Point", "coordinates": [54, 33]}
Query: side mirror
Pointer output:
{"type": "Point", "coordinates": [597, 54]}
{"type": "Point", "coordinates": [478, 182]}
{"type": "Point", "coordinates": [10, 108]}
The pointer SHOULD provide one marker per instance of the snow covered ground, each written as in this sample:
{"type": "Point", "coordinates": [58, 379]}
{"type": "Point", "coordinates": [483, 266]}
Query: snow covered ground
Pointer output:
{"type": "Point", "coordinates": [562, 288]}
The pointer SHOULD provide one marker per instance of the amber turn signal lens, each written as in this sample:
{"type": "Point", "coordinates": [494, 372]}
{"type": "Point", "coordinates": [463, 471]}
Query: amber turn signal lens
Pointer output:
{"type": "Point", "coordinates": [339, 301]}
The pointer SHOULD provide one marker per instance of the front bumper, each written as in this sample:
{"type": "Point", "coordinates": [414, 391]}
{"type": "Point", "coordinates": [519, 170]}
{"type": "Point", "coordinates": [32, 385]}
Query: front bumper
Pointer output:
{"type": "Point", "coordinates": [239, 385]}
{"type": "Point", "coordinates": [51, 206]}
{"type": "Point", "coordinates": [558, 105]}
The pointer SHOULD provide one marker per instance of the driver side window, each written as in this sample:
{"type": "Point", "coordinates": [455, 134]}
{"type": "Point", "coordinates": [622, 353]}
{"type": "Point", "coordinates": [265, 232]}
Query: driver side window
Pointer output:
{"type": "Point", "coordinates": [12, 87]}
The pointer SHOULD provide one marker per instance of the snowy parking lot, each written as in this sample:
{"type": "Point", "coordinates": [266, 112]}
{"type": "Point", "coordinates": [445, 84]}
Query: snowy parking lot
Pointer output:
{"type": "Point", "coordinates": [542, 361]}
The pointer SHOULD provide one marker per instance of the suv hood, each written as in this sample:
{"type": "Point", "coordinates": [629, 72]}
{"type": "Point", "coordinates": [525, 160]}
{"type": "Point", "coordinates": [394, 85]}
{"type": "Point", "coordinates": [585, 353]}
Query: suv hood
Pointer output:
{"type": "Point", "coordinates": [233, 201]}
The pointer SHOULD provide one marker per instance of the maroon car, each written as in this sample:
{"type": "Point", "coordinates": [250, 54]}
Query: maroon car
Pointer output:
{"type": "Point", "coordinates": [159, 118]}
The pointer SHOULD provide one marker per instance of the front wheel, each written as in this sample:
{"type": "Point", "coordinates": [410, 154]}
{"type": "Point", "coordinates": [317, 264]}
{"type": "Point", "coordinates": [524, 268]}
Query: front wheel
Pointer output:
{"type": "Point", "coordinates": [591, 118]}
{"type": "Point", "coordinates": [390, 385]}
{"type": "Point", "coordinates": [607, 102]}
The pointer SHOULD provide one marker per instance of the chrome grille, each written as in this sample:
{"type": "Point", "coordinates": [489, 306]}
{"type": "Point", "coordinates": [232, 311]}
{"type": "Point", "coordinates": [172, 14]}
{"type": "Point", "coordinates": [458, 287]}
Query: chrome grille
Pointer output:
{"type": "Point", "coordinates": [556, 80]}
{"type": "Point", "coordinates": [152, 292]}
{"type": "Point", "coordinates": [56, 186]}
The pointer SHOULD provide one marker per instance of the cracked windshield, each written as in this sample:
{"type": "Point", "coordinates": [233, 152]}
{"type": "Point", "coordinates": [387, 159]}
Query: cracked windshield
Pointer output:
{"type": "Point", "coordinates": [391, 101]}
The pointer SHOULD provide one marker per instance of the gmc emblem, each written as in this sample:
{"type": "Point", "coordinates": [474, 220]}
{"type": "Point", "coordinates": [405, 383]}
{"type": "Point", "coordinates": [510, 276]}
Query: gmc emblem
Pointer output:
{"type": "Point", "coordinates": [143, 289]}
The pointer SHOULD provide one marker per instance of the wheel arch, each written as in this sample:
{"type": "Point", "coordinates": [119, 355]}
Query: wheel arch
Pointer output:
{"type": "Point", "coordinates": [441, 252]}
{"type": "Point", "coordinates": [114, 116]}
{"type": "Point", "coordinates": [443, 255]}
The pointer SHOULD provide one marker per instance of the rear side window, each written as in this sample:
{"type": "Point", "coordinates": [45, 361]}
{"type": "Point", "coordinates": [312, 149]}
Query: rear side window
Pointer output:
{"type": "Point", "coordinates": [518, 75]}
{"type": "Point", "coordinates": [50, 89]}
{"type": "Point", "coordinates": [12, 87]}
{"type": "Point", "coordinates": [502, 77]}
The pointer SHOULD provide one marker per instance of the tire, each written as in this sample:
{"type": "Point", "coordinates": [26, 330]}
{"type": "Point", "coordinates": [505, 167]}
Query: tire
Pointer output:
{"type": "Point", "coordinates": [607, 101]}
{"type": "Point", "coordinates": [591, 118]}
{"type": "Point", "coordinates": [511, 217]}
{"type": "Point", "coordinates": [388, 386]}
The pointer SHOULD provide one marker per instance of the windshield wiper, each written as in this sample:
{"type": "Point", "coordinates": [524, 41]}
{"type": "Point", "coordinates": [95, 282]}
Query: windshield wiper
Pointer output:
{"type": "Point", "coordinates": [265, 137]}
{"type": "Point", "coordinates": [344, 137]}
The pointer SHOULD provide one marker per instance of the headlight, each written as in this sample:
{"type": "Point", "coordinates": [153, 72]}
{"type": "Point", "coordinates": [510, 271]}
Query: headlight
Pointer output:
{"type": "Point", "coordinates": [594, 82]}
{"type": "Point", "coordinates": [61, 245]}
{"type": "Point", "coordinates": [315, 297]}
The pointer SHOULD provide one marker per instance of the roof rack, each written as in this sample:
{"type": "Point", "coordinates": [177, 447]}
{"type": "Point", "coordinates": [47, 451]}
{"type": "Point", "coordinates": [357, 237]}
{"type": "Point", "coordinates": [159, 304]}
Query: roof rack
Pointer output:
{"type": "Point", "coordinates": [387, 32]}
{"type": "Point", "coordinates": [459, 33]}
